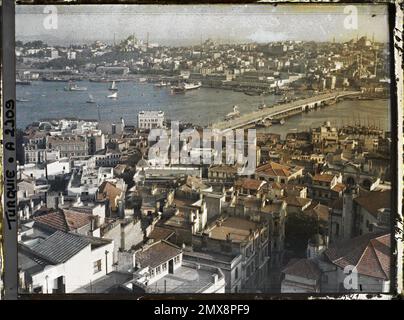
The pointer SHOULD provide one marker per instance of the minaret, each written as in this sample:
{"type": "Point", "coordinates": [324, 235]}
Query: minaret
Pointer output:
{"type": "Point", "coordinates": [375, 73]}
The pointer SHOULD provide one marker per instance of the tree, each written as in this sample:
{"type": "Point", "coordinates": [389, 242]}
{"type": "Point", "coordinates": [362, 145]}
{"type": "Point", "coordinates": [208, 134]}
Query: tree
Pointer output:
{"type": "Point", "coordinates": [299, 228]}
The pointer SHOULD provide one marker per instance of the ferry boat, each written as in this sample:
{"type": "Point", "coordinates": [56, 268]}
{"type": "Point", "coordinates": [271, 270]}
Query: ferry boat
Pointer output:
{"type": "Point", "coordinates": [162, 84]}
{"type": "Point", "coordinates": [181, 88]}
{"type": "Point", "coordinates": [113, 96]}
{"type": "Point", "coordinates": [90, 99]}
{"type": "Point", "coordinates": [113, 87]}
{"type": "Point", "coordinates": [191, 86]}
{"type": "Point", "coordinates": [73, 87]}
{"type": "Point", "coordinates": [54, 79]}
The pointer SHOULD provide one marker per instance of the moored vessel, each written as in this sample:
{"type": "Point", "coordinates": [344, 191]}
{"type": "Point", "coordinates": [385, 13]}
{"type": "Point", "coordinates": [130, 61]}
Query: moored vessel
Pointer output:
{"type": "Point", "coordinates": [73, 87]}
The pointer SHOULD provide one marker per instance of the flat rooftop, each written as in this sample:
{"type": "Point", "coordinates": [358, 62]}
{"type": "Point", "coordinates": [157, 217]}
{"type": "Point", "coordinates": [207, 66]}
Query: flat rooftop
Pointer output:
{"type": "Point", "coordinates": [238, 229]}
{"type": "Point", "coordinates": [199, 256]}
{"type": "Point", "coordinates": [106, 283]}
{"type": "Point", "coordinates": [186, 279]}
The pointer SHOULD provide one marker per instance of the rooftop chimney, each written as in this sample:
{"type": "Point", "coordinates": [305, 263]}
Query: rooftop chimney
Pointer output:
{"type": "Point", "coordinates": [215, 278]}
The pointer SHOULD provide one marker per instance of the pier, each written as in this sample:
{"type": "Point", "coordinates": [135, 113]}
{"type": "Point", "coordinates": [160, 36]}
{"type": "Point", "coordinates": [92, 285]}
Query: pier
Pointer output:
{"type": "Point", "coordinates": [283, 110]}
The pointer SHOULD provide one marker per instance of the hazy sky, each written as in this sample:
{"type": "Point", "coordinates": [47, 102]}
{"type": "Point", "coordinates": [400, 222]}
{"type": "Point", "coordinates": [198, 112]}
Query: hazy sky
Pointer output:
{"type": "Point", "coordinates": [186, 24]}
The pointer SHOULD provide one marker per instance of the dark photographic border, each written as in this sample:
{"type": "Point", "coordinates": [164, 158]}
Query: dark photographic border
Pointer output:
{"type": "Point", "coordinates": [10, 222]}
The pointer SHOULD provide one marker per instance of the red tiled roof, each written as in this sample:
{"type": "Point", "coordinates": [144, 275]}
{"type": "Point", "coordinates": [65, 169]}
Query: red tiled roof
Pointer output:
{"type": "Point", "coordinates": [251, 184]}
{"type": "Point", "coordinates": [160, 233]}
{"type": "Point", "coordinates": [369, 253]}
{"type": "Point", "coordinates": [372, 201]}
{"type": "Point", "coordinates": [304, 268]}
{"type": "Point", "coordinates": [296, 201]}
{"type": "Point", "coordinates": [65, 220]}
{"type": "Point", "coordinates": [323, 177]}
{"type": "Point", "coordinates": [339, 187]}
{"type": "Point", "coordinates": [318, 211]}
{"type": "Point", "coordinates": [156, 254]}
{"type": "Point", "coordinates": [274, 169]}
{"type": "Point", "coordinates": [108, 190]}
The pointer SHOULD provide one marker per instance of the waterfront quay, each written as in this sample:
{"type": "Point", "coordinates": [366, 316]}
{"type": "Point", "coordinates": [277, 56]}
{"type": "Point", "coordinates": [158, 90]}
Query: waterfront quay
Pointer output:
{"type": "Point", "coordinates": [284, 110]}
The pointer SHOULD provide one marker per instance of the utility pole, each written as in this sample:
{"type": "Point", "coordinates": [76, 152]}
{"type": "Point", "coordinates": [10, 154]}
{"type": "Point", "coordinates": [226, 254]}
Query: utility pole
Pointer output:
{"type": "Point", "coordinates": [106, 261]}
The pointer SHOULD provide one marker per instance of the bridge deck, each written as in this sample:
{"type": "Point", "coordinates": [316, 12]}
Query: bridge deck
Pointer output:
{"type": "Point", "coordinates": [254, 116]}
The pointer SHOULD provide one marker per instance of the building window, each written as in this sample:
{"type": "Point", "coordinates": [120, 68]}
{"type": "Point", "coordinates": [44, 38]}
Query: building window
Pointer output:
{"type": "Point", "coordinates": [152, 273]}
{"type": "Point", "coordinates": [158, 270]}
{"type": "Point", "coordinates": [38, 289]}
{"type": "Point", "coordinates": [236, 274]}
{"type": "Point", "coordinates": [177, 259]}
{"type": "Point", "coordinates": [97, 266]}
{"type": "Point", "coordinates": [164, 266]}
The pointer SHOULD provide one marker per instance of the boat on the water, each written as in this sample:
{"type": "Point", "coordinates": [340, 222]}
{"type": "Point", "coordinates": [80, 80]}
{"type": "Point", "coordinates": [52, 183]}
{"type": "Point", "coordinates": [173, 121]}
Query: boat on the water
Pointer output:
{"type": "Point", "coordinates": [177, 89]}
{"type": "Point", "coordinates": [55, 79]}
{"type": "Point", "coordinates": [234, 114]}
{"type": "Point", "coordinates": [253, 93]}
{"type": "Point", "coordinates": [23, 82]}
{"type": "Point", "coordinates": [22, 100]}
{"type": "Point", "coordinates": [113, 96]}
{"type": "Point", "coordinates": [162, 84]}
{"type": "Point", "coordinates": [90, 99]}
{"type": "Point", "coordinates": [73, 87]}
{"type": "Point", "coordinates": [102, 80]}
{"type": "Point", "coordinates": [183, 87]}
{"type": "Point", "coordinates": [113, 87]}
{"type": "Point", "coordinates": [192, 86]}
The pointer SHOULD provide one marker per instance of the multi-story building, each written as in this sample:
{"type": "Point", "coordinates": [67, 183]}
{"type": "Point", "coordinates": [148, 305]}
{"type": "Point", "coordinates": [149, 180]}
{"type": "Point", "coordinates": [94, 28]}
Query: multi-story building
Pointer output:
{"type": "Point", "coordinates": [150, 119]}
{"type": "Point", "coordinates": [326, 187]}
{"type": "Point", "coordinates": [324, 134]}
{"type": "Point", "coordinates": [233, 235]}
{"type": "Point", "coordinates": [69, 145]}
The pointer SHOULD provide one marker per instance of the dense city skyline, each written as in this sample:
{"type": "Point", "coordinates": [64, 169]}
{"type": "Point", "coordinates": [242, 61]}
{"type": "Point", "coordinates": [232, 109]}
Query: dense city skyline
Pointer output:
{"type": "Point", "coordinates": [188, 24]}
